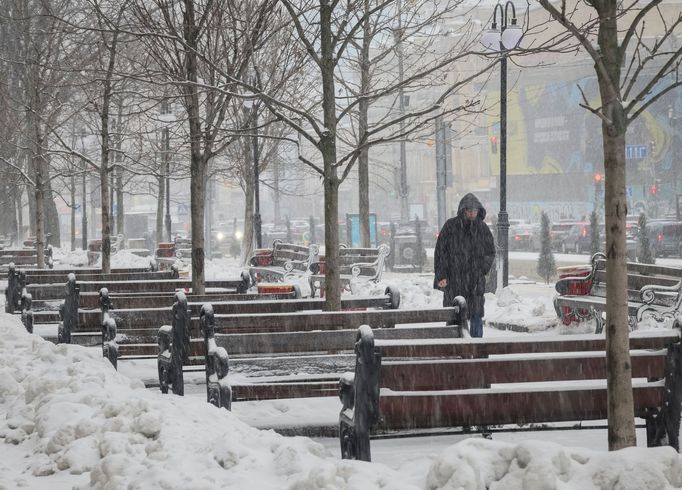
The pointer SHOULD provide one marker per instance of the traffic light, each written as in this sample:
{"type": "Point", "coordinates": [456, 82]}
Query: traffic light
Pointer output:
{"type": "Point", "coordinates": [653, 189]}
{"type": "Point", "coordinates": [493, 144]}
{"type": "Point", "coordinates": [598, 179]}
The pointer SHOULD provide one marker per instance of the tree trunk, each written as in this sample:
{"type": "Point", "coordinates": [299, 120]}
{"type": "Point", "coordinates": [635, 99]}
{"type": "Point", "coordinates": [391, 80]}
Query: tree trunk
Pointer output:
{"type": "Point", "coordinates": [327, 147]}
{"type": "Point", "coordinates": [363, 158]}
{"type": "Point", "coordinates": [621, 418]}
{"type": "Point", "coordinates": [20, 216]}
{"type": "Point", "coordinates": [40, 172]}
{"type": "Point", "coordinates": [104, 190]}
{"type": "Point", "coordinates": [73, 211]}
{"type": "Point", "coordinates": [120, 223]}
{"type": "Point", "coordinates": [198, 195]}
{"type": "Point", "coordinates": [51, 214]}
{"type": "Point", "coordinates": [39, 202]}
{"type": "Point", "coordinates": [620, 401]}
{"type": "Point", "coordinates": [159, 207]}
{"type": "Point", "coordinates": [247, 239]}
{"type": "Point", "coordinates": [332, 283]}
{"type": "Point", "coordinates": [198, 159]}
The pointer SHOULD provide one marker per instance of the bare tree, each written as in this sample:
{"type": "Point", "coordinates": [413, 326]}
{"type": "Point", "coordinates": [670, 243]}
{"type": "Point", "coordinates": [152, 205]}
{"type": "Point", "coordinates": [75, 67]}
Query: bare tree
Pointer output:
{"type": "Point", "coordinates": [634, 68]}
{"type": "Point", "coordinates": [40, 49]}
{"type": "Point", "coordinates": [327, 30]}
{"type": "Point", "coordinates": [188, 41]}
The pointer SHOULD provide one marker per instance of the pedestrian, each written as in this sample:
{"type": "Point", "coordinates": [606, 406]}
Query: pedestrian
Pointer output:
{"type": "Point", "coordinates": [464, 254]}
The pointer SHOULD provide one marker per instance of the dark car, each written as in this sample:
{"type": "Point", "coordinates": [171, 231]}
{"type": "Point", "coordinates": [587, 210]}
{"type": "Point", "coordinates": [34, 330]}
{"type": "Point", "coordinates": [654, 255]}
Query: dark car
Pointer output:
{"type": "Point", "coordinates": [578, 239]}
{"type": "Point", "coordinates": [664, 237]}
{"type": "Point", "coordinates": [524, 237]}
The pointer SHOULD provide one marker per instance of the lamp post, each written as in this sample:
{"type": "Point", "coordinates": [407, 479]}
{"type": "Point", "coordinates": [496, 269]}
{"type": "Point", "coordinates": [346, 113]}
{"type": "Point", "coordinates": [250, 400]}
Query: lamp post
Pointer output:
{"type": "Point", "coordinates": [502, 40]}
{"type": "Point", "coordinates": [674, 146]}
{"type": "Point", "coordinates": [84, 216]}
{"type": "Point", "coordinates": [251, 108]}
{"type": "Point", "coordinates": [166, 157]}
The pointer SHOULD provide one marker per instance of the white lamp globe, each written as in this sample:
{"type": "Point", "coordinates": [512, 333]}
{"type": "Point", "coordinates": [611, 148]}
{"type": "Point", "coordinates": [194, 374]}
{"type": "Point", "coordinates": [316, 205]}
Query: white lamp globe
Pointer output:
{"type": "Point", "coordinates": [491, 39]}
{"type": "Point", "coordinates": [511, 36]}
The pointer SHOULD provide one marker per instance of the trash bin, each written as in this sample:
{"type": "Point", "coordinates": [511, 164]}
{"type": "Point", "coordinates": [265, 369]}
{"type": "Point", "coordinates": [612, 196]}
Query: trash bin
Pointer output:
{"type": "Point", "coordinates": [406, 254]}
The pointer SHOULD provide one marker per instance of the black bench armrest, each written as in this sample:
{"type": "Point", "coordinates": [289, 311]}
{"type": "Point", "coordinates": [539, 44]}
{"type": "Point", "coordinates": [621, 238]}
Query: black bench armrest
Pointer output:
{"type": "Point", "coordinates": [361, 407]}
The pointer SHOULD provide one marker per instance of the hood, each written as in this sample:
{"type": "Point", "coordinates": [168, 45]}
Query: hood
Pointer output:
{"type": "Point", "coordinates": [469, 201]}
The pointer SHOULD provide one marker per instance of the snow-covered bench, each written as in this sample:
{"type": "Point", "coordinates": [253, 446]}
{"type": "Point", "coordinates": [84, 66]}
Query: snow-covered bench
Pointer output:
{"type": "Point", "coordinates": [653, 290]}
{"type": "Point", "coordinates": [301, 342]}
{"type": "Point", "coordinates": [24, 258]}
{"type": "Point", "coordinates": [240, 315]}
{"type": "Point", "coordinates": [78, 326]}
{"type": "Point", "coordinates": [282, 261]}
{"type": "Point", "coordinates": [355, 264]}
{"type": "Point", "coordinates": [408, 386]}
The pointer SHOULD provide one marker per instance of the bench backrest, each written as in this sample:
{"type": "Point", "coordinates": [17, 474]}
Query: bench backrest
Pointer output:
{"type": "Point", "coordinates": [297, 257]}
{"type": "Point", "coordinates": [332, 320]}
{"type": "Point", "coordinates": [359, 262]}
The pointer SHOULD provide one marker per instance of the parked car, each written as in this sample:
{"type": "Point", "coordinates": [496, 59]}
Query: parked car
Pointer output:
{"type": "Point", "coordinates": [578, 239]}
{"type": "Point", "coordinates": [559, 231]}
{"type": "Point", "coordinates": [524, 237]}
{"type": "Point", "coordinates": [664, 237]}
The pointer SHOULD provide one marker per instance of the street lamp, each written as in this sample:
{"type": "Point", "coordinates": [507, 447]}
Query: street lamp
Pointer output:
{"type": "Point", "coordinates": [84, 215]}
{"type": "Point", "coordinates": [673, 144]}
{"type": "Point", "coordinates": [502, 40]}
{"type": "Point", "coordinates": [251, 111]}
{"type": "Point", "coordinates": [167, 118]}
{"type": "Point", "coordinates": [166, 157]}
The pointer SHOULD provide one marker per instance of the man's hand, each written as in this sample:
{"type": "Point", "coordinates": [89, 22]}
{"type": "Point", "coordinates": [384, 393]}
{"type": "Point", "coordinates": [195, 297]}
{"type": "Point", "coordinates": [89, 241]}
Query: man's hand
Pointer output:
{"type": "Point", "coordinates": [442, 283]}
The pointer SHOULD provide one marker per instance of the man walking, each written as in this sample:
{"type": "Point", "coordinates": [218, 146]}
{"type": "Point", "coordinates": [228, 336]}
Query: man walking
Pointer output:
{"type": "Point", "coordinates": [464, 253]}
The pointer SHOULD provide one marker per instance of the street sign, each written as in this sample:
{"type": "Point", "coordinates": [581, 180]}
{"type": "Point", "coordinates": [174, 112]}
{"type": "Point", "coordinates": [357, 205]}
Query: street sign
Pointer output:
{"type": "Point", "coordinates": [635, 152]}
{"type": "Point", "coordinates": [182, 210]}
{"type": "Point", "coordinates": [306, 237]}
{"type": "Point", "coordinates": [628, 192]}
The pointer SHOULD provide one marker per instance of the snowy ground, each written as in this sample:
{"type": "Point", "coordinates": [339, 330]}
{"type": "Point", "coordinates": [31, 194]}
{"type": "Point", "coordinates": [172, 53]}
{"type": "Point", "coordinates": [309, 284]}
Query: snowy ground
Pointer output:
{"type": "Point", "coordinates": [68, 420]}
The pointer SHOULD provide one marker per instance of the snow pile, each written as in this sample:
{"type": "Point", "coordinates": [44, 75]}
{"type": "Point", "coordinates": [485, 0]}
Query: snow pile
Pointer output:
{"type": "Point", "coordinates": [507, 309]}
{"type": "Point", "coordinates": [70, 412]}
{"type": "Point", "coordinates": [416, 291]}
{"type": "Point", "coordinates": [222, 269]}
{"type": "Point", "coordinates": [68, 420]}
{"type": "Point", "coordinates": [65, 259]}
{"type": "Point", "coordinates": [539, 465]}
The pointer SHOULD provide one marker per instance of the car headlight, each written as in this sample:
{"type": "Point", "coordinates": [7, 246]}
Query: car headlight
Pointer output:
{"type": "Point", "coordinates": [238, 234]}
{"type": "Point", "coordinates": [220, 236]}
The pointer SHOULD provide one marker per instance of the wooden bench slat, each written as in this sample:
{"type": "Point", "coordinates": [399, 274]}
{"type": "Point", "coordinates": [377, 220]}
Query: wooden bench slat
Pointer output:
{"type": "Point", "coordinates": [508, 345]}
{"type": "Point", "coordinates": [284, 322]}
{"type": "Point", "coordinates": [459, 374]}
{"type": "Point", "coordinates": [405, 410]}
{"type": "Point", "coordinates": [271, 391]}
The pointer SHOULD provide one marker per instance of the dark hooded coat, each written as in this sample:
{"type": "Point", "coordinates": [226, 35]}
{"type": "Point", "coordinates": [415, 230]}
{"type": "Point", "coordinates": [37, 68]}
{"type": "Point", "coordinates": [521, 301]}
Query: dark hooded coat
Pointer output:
{"type": "Point", "coordinates": [464, 254]}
